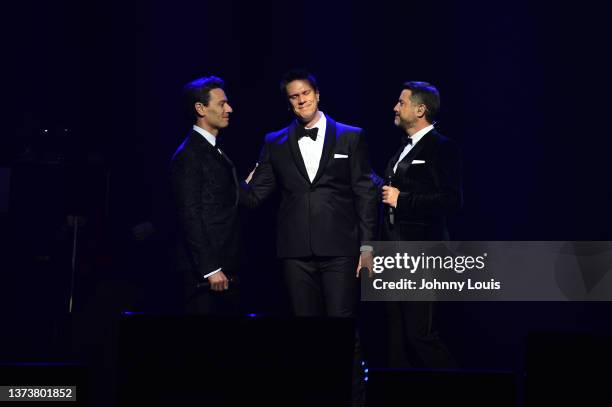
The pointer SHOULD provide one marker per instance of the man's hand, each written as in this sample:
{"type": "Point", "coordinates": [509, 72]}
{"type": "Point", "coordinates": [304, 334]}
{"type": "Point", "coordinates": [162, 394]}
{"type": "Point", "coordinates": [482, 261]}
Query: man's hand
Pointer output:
{"type": "Point", "coordinates": [389, 195]}
{"type": "Point", "coordinates": [218, 281]}
{"type": "Point", "coordinates": [248, 179]}
{"type": "Point", "coordinates": [366, 260]}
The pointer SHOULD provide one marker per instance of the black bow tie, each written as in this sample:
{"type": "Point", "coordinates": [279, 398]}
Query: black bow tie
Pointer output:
{"type": "Point", "coordinates": [406, 141]}
{"type": "Point", "coordinates": [312, 133]}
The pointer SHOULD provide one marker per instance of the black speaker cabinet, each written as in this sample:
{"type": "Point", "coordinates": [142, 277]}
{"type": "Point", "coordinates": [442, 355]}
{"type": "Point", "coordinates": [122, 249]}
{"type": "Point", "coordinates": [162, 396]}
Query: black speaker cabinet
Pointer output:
{"type": "Point", "coordinates": [568, 370]}
{"type": "Point", "coordinates": [433, 388]}
{"type": "Point", "coordinates": [226, 361]}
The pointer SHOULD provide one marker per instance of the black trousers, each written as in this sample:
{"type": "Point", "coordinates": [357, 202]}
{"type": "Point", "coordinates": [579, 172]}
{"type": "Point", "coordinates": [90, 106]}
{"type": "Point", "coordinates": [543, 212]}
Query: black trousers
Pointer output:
{"type": "Point", "coordinates": [412, 340]}
{"type": "Point", "coordinates": [322, 286]}
{"type": "Point", "coordinates": [326, 286]}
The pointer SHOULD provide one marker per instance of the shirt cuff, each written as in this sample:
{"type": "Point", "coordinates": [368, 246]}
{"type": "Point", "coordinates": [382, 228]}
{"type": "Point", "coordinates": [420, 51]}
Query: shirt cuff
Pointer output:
{"type": "Point", "coordinates": [212, 272]}
{"type": "Point", "coordinates": [366, 248]}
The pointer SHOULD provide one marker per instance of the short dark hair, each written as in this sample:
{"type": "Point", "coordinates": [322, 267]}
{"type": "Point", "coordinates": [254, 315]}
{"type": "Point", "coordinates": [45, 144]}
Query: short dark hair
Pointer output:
{"type": "Point", "coordinates": [298, 75]}
{"type": "Point", "coordinates": [198, 90]}
{"type": "Point", "coordinates": [427, 94]}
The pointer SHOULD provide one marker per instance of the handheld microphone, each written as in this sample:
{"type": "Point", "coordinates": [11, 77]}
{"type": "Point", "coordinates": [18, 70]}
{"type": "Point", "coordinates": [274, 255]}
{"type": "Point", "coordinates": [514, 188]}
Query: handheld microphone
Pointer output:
{"type": "Point", "coordinates": [232, 281]}
{"type": "Point", "coordinates": [391, 210]}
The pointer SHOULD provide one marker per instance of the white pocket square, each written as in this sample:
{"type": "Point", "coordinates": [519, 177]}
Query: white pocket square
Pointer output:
{"type": "Point", "coordinates": [340, 156]}
{"type": "Point", "coordinates": [418, 162]}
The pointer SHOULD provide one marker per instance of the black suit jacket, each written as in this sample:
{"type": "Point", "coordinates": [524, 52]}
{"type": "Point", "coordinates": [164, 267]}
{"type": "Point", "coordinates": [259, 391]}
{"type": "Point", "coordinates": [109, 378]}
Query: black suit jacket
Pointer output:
{"type": "Point", "coordinates": [429, 191]}
{"type": "Point", "coordinates": [329, 216]}
{"type": "Point", "coordinates": [206, 195]}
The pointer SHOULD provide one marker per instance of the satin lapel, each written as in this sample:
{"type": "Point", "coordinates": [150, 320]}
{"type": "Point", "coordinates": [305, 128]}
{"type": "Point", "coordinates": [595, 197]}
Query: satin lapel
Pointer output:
{"type": "Point", "coordinates": [236, 185]}
{"type": "Point", "coordinates": [392, 161]}
{"type": "Point", "coordinates": [204, 144]}
{"type": "Point", "coordinates": [403, 166]}
{"type": "Point", "coordinates": [218, 155]}
{"type": "Point", "coordinates": [328, 147]}
{"type": "Point", "coordinates": [227, 160]}
{"type": "Point", "coordinates": [295, 149]}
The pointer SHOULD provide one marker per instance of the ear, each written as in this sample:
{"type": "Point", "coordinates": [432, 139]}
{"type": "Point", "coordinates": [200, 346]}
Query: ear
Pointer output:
{"type": "Point", "coordinates": [420, 110]}
{"type": "Point", "coordinates": [200, 108]}
{"type": "Point", "coordinates": [318, 96]}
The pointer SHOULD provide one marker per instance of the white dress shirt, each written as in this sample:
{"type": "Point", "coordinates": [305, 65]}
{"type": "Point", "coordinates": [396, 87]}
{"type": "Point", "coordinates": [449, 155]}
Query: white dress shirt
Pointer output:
{"type": "Point", "coordinates": [312, 149]}
{"type": "Point", "coordinates": [415, 139]}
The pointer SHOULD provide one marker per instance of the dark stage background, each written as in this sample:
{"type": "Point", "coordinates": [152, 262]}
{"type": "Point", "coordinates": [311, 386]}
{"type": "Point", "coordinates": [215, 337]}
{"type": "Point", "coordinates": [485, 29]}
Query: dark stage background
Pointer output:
{"type": "Point", "coordinates": [524, 90]}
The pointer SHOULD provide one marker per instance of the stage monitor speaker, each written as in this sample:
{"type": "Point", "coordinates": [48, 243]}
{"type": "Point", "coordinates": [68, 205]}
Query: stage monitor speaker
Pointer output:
{"type": "Point", "coordinates": [568, 370]}
{"type": "Point", "coordinates": [225, 361]}
{"type": "Point", "coordinates": [443, 388]}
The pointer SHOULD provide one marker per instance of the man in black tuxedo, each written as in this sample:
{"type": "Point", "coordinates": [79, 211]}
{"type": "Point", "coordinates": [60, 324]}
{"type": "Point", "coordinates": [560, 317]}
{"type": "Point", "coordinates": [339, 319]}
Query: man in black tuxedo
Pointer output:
{"type": "Point", "coordinates": [206, 195]}
{"type": "Point", "coordinates": [328, 202]}
{"type": "Point", "coordinates": [425, 188]}
{"type": "Point", "coordinates": [328, 205]}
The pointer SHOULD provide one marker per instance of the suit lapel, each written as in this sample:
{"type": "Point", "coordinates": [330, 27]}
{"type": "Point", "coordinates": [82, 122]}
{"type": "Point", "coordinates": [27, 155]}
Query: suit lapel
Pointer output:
{"type": "Point", "coordinates": [392, 161]}
{"type": "Point", "coordinates": [295, 149]}
{"type": "Point", "coordinates": [234, 176]}
{"type": "Point", "coordinates": [226, 158]}
{"type": "Point", "coordinates": [210, 149]}
{"type": "Point", "coordinates": [203, 143]}
{"type": "Point", "coordinates": [221, 157]}
{"type": "Point", "coordinates": [403, 166]}
{"type": "Point", "coordinates": [328, 147]}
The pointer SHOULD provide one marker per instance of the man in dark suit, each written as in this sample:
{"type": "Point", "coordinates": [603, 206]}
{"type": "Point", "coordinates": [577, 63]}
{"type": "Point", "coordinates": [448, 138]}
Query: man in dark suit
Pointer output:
{"type": "Point", "coordinates": [206, 195]}
{"type": "Point", "coordinates": [328, 202]}
{"type": "Point", "coordinates": [328, 205]}
{"type": "Point", "coordinates": [425, 188]}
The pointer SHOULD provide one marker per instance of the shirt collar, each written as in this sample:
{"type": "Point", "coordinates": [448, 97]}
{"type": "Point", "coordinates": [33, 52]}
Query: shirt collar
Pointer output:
{"type": "Point", "coordinates": [419, 134]}
{"type": "Point", "coordinates": [209, 137]}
